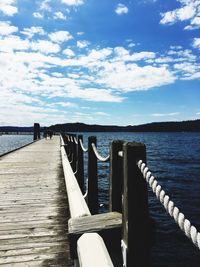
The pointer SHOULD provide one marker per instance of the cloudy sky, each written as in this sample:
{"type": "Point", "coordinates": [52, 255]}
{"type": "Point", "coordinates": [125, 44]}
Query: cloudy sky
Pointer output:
{"type": "Point", "coordinates": [106, 62]}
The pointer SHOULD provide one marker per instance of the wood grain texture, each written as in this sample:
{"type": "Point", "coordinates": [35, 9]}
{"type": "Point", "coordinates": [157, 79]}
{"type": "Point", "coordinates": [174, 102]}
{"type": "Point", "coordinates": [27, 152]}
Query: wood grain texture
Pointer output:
{"type": "Point", "coordinates": [33, 207]}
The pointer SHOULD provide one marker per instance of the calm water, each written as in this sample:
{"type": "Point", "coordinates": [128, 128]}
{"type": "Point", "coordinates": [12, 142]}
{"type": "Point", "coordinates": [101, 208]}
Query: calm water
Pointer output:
{"type": "Point", "coordinates": [10, 142]}
{"type": "Point", "coordinates": [174, 159]}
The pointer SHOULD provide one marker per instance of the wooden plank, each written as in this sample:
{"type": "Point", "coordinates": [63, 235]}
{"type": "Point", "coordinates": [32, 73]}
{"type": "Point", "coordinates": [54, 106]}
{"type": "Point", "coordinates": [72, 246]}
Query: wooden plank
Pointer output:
{"type": "Point", "coordinates": [33, 207]}
{"type": "Point", "coordinates": [107, 225]}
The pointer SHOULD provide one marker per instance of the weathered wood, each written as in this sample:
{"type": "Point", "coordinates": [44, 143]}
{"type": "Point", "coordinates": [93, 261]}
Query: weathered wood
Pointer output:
{"type": "Point", "coordinates": [107, 225]}
{"type": "Point", "coordinates": [33, 207]}
{"type": "Point", "coordinates": [116, 177]}
{"type": "Point", "coordinates": [135, 218]}
{"type": "Point", "coordinates": [92, 197]}
{"type": "Point", "coordinates": [77, 204]}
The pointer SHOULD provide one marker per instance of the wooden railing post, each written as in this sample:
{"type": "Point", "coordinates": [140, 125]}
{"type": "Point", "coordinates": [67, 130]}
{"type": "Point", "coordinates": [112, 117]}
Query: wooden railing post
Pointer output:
{"type": "Point", "coordinates": [135, 215]}
{"type": "Point", "coordinates": [92, 178]}
{"type": "Point", "coordinates": [74, 152]}
{"type": "Point", "coordinates": [36, 133]}
{"type": "Point", "coordinates": [80, 168]}
{"type": "Point", "coordinates": [116, 177]}
{"type": "Point", "coordinates": [70, 148]}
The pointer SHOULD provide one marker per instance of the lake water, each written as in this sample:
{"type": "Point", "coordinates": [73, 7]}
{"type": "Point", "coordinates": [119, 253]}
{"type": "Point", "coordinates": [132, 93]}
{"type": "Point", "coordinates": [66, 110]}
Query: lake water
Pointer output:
{"type": "Point", "coordinates": [174, 159]}
{"type": "Point", "coordinates": [10, 142]}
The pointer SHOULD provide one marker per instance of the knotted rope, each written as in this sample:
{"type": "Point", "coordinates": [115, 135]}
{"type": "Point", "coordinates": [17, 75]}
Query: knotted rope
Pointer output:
{"type": "Point", "coordinates": [184, 224]}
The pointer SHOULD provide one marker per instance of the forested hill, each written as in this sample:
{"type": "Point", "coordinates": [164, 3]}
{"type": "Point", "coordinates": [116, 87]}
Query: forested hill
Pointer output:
{"type": "Point", "coordinates": [183, 126]}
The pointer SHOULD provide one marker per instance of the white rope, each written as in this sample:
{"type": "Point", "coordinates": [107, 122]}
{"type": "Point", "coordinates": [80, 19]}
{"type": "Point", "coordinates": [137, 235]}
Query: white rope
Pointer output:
{"type": "Point", "coordinates": [184, 224]}
{"type": "Point", "coordinates": [76, 142]}
{"type": "Point", "coordinates": [86, 192]}
{"type": "Point", "coordinates": [81, 143]}
{"type": "Point", "coordinates": [120, 154]}
{"type": "Point", "coordinates": [99, 157]}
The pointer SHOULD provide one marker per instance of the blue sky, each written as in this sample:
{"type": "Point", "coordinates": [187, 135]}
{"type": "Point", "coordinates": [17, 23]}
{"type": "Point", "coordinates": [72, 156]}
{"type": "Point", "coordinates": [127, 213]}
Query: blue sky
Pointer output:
{"type": "Point", "coordinates": [99, 62]}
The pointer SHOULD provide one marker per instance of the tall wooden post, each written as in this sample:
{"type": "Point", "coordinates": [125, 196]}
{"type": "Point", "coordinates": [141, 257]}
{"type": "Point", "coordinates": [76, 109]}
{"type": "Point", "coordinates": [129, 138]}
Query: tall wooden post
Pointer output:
{"type": "Point", "coordinates": [74, 152]}
{"type": "Point", "coordinates": [36, 131]}
{"type": "Point", "coordinates": [80, 168]}
{"type": "Point", "coordinates": [70, 149]}
{"type": "Point", "coordinates": [116, 177]}
{"type": "Point", "coordinates": [92, 178]}
{"type": "Point", "coordinates": [135, 215]}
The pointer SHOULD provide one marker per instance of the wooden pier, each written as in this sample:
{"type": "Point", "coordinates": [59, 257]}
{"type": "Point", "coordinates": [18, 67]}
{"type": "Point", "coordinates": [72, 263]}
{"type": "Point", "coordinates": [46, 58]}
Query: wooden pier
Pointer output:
{"type": "Point", "coordinates": [33, 207]}
{"type": "Point", "coordinates": [49, 205]}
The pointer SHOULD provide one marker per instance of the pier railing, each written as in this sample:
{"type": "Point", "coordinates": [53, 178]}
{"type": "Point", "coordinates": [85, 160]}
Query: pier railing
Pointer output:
{"type": "Point", "coordinates": [127, 227]}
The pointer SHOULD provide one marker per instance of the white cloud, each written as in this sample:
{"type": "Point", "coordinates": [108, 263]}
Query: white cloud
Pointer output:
{"type": "Point", "coordinates": [131, 77]}
{"type": "Point", "coordinates": [121, 9]}
{"type": "Point", "coordinates": [68, 52]}
{"type": "Point", "coordinates": [66, 104]}
{"type": "Point", "coordinates": [8, 8]}
{"type": "Point", "coordinates": [45, 47]}
{"type": "Point", "coordinates": [60, 36]}
{"type": "Point", "coordinates": [131, 45]}
{"type": "Point", "coordinates": [124, 55]}
{"type": "Point", "coordinates": [184, 13]}
{"type": "Point", "coordinates": [189, 71]}
{"type": "Point", "coordinates": [82, 44]}
{"type": "Point", "coordinates": [193, 76]}
{"type": "Point", "coordinates": [100, 113]}
{"type": "Point", "coordinates": [45, 5]}
{"type": "Point", "coordinates": [186, 67]}
{"type": "Point", "coordinates": [72, 2]}
{"type": "Point", "coordinates": [165, 114]}
{"type": "Point", "coordinates": [99, 54]}
{"type": "Point", "coordinates": [30, 32]}
{"type": "Point", "coordinates": [38, 15]}
{"type": "Point", "coordinates": [194, 24]}
{"type": "Point", "coordinates": [80, 33]}
{"type": "Point", "coordinates": [189, 10]}
{"type": "Point", "coordinates": [95, 95]}
{"type": "Point", "coordinates": [13, 42]}
{"type": "Point", "coordinates": [59, 15]}
{"type": "Point", "coordinates": [196, 43]}
{"type": "Point", "coordinates": [6, 28]}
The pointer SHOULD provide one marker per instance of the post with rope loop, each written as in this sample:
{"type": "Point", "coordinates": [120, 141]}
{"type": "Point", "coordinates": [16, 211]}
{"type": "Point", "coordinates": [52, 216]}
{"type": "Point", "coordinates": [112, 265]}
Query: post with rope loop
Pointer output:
{"type": "Point", "coordinates": [70, 148]}
{"type": "Point", "coordinates": [80, 168]}
{"type": "Point", "coordinates": [115, 179]}
{"type": "Point", "coordinates": [65, 139]}
{"type": "Point", "coordinates": [74, 153]}
{"type": "Point", "coordinates": [135, 215]}
{"type": "Point", "coordinates": [92, 197]}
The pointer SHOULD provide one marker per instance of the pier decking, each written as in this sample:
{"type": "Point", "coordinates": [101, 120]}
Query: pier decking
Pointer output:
{"type": "Point", "coordinates": [33, 207]}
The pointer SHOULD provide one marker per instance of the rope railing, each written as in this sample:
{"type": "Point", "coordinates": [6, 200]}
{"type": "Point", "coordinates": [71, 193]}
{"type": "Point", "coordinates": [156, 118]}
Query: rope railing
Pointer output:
{"type": "Point", "coordinates": [83, 148]}
{"type": "Point", "coordinates": [89, 247]}
{"type": "Point", "coordinates": [184, 224]}
{"type": "Point", "coordinates": [128, 175]}
{"type": "Point", "coordinates": [99, 157]}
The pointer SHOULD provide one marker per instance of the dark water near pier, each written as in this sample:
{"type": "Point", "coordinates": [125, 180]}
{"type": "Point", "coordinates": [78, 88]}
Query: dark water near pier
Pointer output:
{"type": "Point", "coordinates": [174, 159]}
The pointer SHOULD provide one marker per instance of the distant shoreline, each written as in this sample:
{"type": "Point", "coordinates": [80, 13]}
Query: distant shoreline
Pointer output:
{"type": "Point", "coordinates": [182, 126]}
